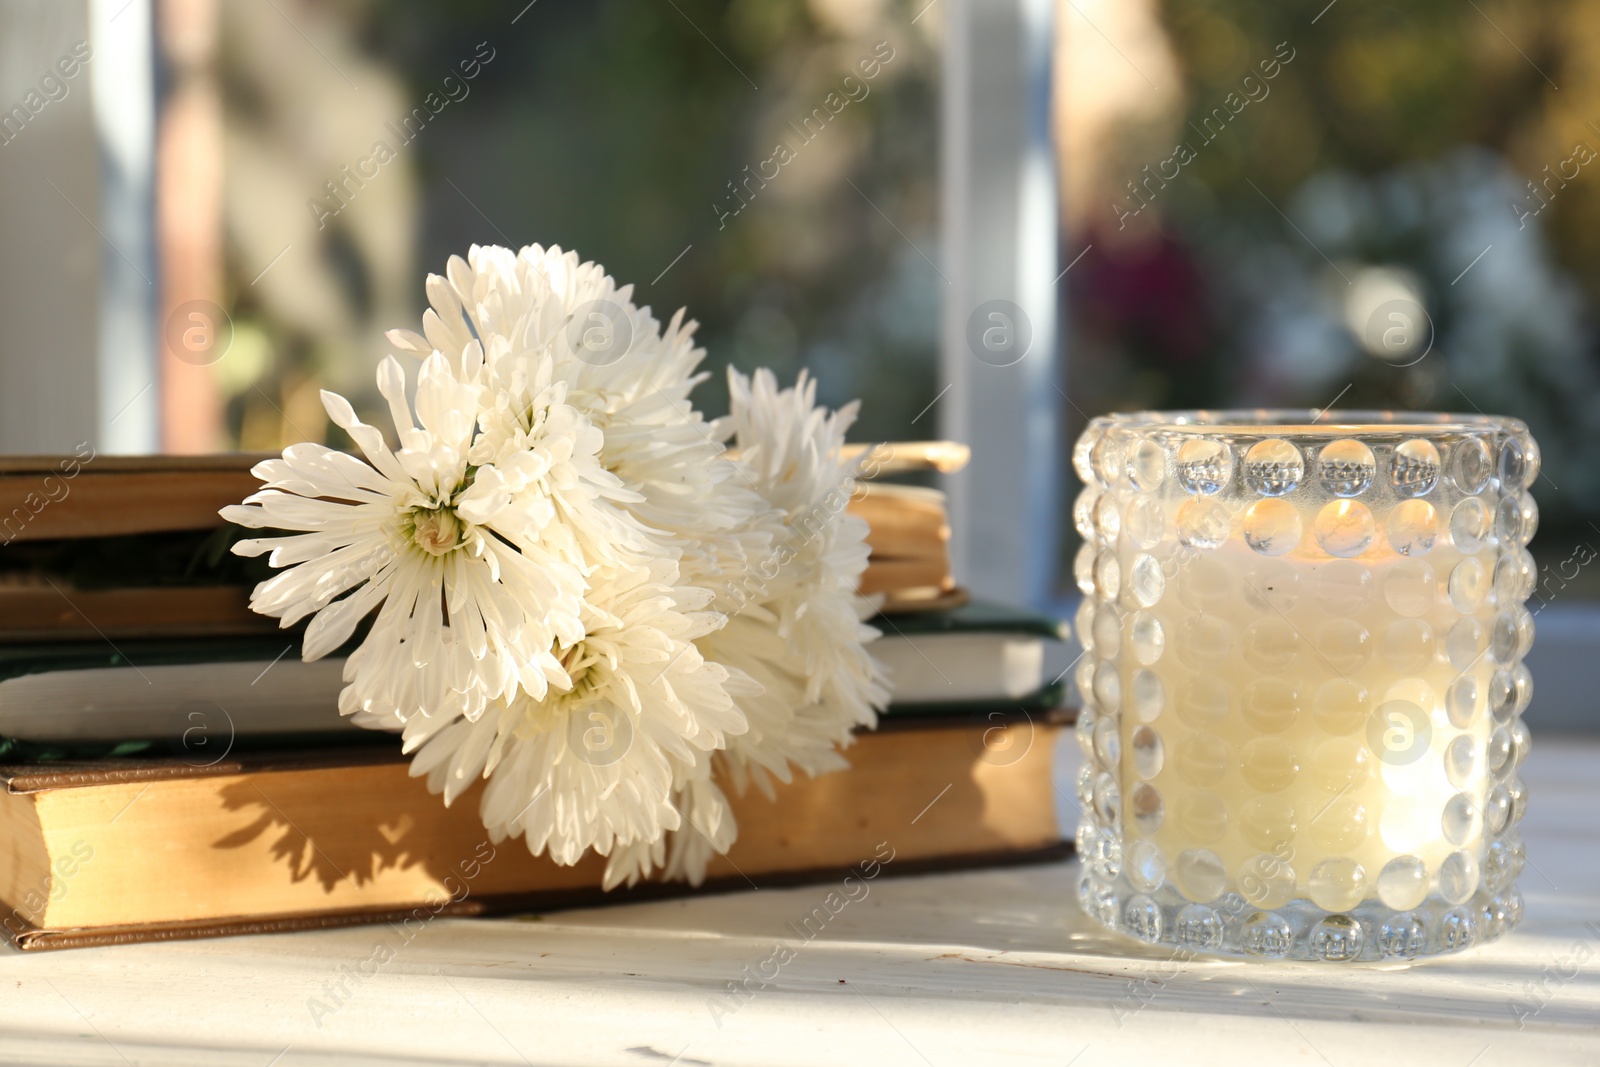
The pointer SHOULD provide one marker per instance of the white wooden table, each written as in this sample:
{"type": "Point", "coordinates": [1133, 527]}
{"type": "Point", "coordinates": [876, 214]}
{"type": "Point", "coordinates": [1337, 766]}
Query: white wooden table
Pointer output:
{"type": "Point", "coordinates": [982, 967]}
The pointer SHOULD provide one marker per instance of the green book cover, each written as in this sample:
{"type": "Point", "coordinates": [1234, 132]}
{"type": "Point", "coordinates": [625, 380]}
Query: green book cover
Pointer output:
{"type": "Point", "coordinates": [19, 661]}
{"type": "Point", "coordinates": [975, 616]}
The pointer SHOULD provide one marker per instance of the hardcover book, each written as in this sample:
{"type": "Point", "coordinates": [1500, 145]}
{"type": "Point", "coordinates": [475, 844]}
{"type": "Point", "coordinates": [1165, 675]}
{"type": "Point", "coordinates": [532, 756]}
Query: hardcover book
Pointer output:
{"type": "Point", "coordinates": [123, 850]}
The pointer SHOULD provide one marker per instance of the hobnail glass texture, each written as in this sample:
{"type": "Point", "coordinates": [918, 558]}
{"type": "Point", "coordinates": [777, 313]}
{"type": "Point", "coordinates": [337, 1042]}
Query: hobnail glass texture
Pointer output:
{"type": "Point", "coordinates": [1303, 684]}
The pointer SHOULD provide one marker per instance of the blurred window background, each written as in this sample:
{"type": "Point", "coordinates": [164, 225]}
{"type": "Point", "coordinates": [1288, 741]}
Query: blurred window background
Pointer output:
{"type": "Point", "coordinates": [368, 142]}
{"type": "Point", "coordinates": [770, 164]}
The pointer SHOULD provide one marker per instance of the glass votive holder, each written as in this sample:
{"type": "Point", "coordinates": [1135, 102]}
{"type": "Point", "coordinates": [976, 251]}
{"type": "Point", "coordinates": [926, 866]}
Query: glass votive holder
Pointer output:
{"type": "Point", "coordinates": [1303, 681]}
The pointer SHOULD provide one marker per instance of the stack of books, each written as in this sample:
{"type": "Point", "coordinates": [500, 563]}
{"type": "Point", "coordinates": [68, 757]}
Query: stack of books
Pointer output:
{"type": "Point", "coordinates": [169, 767]}
{"type": "Point", "coordinates": [910, 542]}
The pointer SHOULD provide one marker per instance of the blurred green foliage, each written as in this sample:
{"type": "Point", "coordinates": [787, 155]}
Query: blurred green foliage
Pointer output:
{"type": "Point", "coordinates": [1400, 139]}
{"type": "Point", "coordinates": [615, 127]}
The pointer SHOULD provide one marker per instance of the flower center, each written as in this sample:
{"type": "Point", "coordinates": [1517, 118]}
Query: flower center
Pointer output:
{"type": "Point", "coordinates": [557, 710]}
{"type": "Point", "coordinates": [436, 531]}
{"type": "Point", "coordinates": [576, 661]}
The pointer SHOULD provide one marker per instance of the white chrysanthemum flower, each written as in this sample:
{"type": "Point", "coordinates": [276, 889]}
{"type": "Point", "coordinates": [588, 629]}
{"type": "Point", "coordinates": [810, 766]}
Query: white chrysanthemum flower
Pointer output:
{"type": "Point", "coordinates": [517, 323]}
{"type": "Point", "coordinates": [797, 628]}
{"type": "Point", "coordinates": [496, 310]}
{"type": "Point", "coordinates": [577, 596]}
{"type": "Point", "coordinates": [705, 828]}
{"type": "Point", "coordinates": [593, 764]}
{"type": "Point", "coordinates": [473, 578]}
{"type": "Point", "coordinates": [803, 635]}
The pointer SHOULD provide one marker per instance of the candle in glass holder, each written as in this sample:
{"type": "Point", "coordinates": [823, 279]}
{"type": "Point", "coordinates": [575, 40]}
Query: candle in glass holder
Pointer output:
{"type": "Point", "coordinates": [1303, 683]}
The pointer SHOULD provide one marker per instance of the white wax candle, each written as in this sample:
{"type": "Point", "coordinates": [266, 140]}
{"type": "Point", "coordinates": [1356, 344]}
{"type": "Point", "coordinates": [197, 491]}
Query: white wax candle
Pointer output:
{"type": "Point", "coordinates": [1304, 726]}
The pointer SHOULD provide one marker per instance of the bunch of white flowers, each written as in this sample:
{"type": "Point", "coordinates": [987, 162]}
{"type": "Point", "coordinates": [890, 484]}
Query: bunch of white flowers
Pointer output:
{"type": "Point", "coordinates": [575, 590]}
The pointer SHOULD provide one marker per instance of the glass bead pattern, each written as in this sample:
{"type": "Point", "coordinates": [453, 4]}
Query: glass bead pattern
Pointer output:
{"type": "Point", "coordinates": [1303, 683]}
